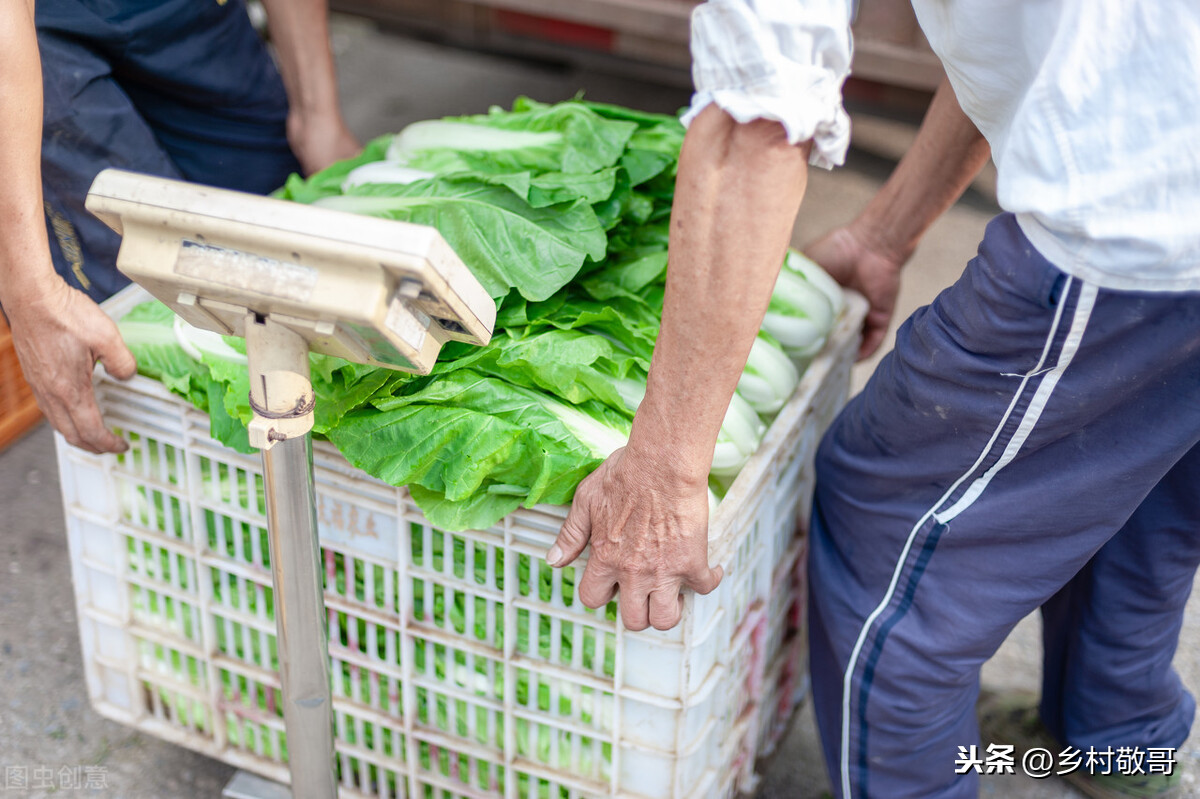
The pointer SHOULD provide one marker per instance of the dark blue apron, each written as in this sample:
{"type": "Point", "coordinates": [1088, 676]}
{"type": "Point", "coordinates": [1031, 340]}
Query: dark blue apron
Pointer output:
{"type": "Point", "coordinates": [177, 88]}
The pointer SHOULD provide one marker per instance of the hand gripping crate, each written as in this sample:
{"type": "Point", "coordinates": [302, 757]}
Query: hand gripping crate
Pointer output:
{"type": "Point", "coordinates": [462, 665]}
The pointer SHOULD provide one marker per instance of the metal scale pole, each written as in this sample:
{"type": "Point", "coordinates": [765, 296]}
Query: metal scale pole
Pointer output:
{"type": "Point", "coordinates": [281, 395]}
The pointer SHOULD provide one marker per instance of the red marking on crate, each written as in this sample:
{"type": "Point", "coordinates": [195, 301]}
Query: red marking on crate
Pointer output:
{"type": "Point", "coordinates": [800, 567]}
{"type": "Point", "coordinates": [757, 639]}
{"type": "Point", "coordinates": [788, 680]}
{"type": "Point", "coordinates": [556, 30]}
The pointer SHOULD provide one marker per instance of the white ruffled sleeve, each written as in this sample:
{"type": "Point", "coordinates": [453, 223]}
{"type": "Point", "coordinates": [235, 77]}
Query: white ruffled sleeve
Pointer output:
{"type": "Point", "coordinates": [783, 60]}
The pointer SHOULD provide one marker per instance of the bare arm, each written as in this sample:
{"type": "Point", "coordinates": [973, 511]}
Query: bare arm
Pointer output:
{"type": "Point", "coordinates": [316, 130]}
{"type": "Point", "coordinates": [645, 510]}
{"type": "Point", "coordinates": [58, 332]}
{"type": "Point", "coordinates": [23, 235]}
{"type": "Point", "coordinates": [867, 254]}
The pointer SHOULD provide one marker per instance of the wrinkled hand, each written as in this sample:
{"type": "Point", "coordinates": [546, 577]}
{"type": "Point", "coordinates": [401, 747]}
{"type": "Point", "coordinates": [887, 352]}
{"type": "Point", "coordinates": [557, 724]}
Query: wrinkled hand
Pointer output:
{"type": "Point", "coordinates": [320, 139]}
{"type": "Point", "coordinates": [649, 541]}
{"type": "Point", "coordinates": [59, 334]}
{"type": "Point", "coordinates": [845, 254]}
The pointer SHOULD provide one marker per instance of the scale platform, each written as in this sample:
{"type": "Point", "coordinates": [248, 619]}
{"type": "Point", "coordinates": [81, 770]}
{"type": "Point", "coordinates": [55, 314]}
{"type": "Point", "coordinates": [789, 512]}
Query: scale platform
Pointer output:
{"type": "Point", "coordinates": [368, 290]}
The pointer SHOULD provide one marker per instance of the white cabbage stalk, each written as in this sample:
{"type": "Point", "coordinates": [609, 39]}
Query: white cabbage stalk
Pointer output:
{"type": "Point", "coordinates": [472, 680]}
{"type": "Point", "coordinates": [740, 435]}
{"type": "Point", "coordinates": [436, 134]}
{"type": "Point", "coordinates": [741, 431]}
{"type": "Point", "coordinates": [597, 435]}
{"type": "Point", "coordinates": [383, 172]}
{"type": "Point", "coordinates": [799, 317]}
{"type": "Point", "coordinates": [807, 268]}
{"type": "Point", "coordinates": [632, 392]}
{"type": "Point", "coordinates": [197, 343]}
{"type": "Point", "coordinates": [357, 204]}
{"type": "Point", "coordinates": [770, 378]}
{"type": "Point", "coordinates": [135, 507]}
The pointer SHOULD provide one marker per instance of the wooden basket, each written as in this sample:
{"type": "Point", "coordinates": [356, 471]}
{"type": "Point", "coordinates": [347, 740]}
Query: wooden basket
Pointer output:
{"type": "Point", "coordinates": [18, 411]}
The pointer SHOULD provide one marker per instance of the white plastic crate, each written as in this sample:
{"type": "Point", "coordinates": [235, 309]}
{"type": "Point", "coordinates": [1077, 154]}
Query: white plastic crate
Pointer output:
{"type": "Point", "coordinates": [462, 665]}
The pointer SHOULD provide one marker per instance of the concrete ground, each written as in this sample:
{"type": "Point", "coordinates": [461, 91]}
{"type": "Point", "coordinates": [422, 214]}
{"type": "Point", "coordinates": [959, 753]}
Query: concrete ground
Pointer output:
{"type": "Point", "coordinates": [46, 723]}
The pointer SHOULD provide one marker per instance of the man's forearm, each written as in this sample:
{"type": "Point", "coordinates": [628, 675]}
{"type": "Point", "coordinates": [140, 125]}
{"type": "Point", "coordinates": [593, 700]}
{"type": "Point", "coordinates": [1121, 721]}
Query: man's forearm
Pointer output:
{"type": "Point", "coordinates": [58, 333]}
{"type": "Point", "coordinates": [644, 511]}
{"type": "Point", "coordinates": [24, 255]}
{"type": "Point", "coordinates": [736, 198]}
{"type": "Point", "coordinates": [315, 129]}
{"type": "Point", "coordinates": [945, 157]}
{"type": "Point", "coordinates": [300, 31]}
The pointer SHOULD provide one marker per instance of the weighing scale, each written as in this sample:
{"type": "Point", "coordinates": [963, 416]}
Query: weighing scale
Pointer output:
{"type": "Point", "coordinates": [291, 279]}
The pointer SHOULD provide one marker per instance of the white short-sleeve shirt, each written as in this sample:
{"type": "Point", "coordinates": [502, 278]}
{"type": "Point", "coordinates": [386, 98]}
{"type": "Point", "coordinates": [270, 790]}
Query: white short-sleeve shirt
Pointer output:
{"type": "Point", "coordinates": [1091, 108]}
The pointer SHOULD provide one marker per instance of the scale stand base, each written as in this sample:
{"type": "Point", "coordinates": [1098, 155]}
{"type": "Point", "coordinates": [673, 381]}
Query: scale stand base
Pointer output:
{"type": "Point", "coordinates": [245, 785]}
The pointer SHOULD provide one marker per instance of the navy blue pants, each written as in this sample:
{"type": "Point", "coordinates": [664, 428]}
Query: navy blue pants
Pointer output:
{"type": "Point", "coordinates": [1030, 442]}
{"type": "Point", "coordinates": [175, 88]}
